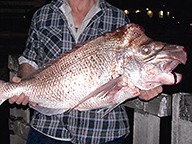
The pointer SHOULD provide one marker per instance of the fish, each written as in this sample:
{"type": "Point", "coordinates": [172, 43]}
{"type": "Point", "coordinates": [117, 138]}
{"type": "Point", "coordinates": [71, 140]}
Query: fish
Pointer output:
{"type": "Point", "coordinates": [101, 74]}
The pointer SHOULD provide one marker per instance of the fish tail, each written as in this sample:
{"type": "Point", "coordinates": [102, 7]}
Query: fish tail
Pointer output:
{"type": "Point", "coordinates": [2, 99]}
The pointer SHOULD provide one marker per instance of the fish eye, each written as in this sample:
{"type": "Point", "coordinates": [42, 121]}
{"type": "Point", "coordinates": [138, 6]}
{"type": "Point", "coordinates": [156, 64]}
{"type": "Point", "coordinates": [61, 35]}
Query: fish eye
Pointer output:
{"type": "Point", "coordinates": [146, 50]}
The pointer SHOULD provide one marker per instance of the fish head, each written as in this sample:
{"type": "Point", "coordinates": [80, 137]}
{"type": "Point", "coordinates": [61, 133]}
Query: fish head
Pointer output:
{"type": "Point", "coordinates": [150, 63]}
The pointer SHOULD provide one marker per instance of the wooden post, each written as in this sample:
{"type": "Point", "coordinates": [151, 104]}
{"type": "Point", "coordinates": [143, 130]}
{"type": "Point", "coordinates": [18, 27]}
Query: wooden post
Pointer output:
{"type": "Point", "coordinates": [146, 129]}
{"type": "Point", "coordinates": [182, 118]}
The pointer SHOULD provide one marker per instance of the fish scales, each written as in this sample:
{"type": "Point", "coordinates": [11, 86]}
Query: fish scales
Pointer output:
{"type": "Point", "coordinates": [92, 69]}
{"type": "Point", "coordinates": [103, 72]}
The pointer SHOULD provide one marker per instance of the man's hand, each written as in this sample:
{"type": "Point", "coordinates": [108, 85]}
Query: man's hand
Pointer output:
{"type": "Point", "coordinates": [149, 94]}
{"type": "Point", "coordinates": [22, 99]}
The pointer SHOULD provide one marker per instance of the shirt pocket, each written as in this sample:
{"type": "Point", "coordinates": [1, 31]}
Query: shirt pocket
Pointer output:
{"type": "Point", "coordinates": [51, 42]}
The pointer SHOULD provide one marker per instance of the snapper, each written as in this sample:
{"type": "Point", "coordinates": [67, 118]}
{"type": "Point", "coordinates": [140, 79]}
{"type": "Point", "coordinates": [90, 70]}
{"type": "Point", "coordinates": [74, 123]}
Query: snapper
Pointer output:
{"type": "Point", "coordinates": [102, 73]}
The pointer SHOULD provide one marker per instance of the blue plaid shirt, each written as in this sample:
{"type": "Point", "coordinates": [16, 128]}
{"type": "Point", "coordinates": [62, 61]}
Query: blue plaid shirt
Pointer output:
{"type": "Point", "coordinates": [49, 36]}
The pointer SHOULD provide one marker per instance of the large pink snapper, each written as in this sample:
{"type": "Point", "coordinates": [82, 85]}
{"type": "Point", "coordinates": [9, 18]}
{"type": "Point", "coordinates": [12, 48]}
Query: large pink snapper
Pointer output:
{"type": "Point", "coordinates": [101, 73]}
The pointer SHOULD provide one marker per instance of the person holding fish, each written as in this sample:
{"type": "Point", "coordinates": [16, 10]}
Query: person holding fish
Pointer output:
{"type": "Point", "coordinates": [55, 29]}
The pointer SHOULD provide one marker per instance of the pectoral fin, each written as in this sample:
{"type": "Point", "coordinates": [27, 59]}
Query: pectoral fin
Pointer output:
{"type": "Point", "coordinates": [103, 89]}
{"type": "Point", "coordinates": [110, 109]}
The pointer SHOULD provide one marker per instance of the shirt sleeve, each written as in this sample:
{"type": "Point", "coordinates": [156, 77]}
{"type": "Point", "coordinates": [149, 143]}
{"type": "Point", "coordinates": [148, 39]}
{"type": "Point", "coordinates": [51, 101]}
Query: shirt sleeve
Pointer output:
{"type": "Point", "coordinates": [22, 60]}
{"type": "Point", "coordinates": [32, 50]}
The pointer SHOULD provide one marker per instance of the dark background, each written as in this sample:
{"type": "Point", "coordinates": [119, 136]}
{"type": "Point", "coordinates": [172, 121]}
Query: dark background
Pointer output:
{"type": "Point", "coordinates": [15, 17]}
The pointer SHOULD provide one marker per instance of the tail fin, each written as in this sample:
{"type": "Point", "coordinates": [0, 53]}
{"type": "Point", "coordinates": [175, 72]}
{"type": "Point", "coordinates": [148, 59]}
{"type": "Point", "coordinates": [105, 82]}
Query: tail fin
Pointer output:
{"type": "Point", "coordinates": [1, 96]}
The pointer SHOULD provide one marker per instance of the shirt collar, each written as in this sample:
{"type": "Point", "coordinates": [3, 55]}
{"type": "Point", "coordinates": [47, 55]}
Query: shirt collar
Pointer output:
{"type": "Point", "coordinates": [67, 8]}
{"type": "Point", "coordinates": [102, 4]}
{"type": "Point", "coordinates": [57, 3]}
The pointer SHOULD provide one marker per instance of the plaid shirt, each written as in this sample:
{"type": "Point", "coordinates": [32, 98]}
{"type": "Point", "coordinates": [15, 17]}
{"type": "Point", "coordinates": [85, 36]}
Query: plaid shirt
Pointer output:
{"type": "Point", "coordinates": [49, 36]}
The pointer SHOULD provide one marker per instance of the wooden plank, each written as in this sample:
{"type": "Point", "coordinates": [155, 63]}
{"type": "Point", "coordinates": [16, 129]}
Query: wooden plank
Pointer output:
{"type": "Point", "coordinates": [159, 106]}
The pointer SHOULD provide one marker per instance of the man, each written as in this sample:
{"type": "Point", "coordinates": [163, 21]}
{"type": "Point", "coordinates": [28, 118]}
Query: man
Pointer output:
{"type": "Point", "coordinates": [56, 28]}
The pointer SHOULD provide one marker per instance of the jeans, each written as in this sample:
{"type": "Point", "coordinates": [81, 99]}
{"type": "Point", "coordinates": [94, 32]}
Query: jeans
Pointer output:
{"type": "Point", "coordinates": [36, 137]}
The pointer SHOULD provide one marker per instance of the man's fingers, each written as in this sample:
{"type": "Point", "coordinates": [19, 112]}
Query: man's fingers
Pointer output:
{"type": "Point", "coordinates": [160, 89]}
{"type": "Point", "coordinates": [20, 99]}
{"type": "Point", "coordinates": [32, 104]}
{"type": "Point", "coordinates": [13, 99]}
{"type": "Point", "coordinates": [149, 94]}
{"type": "Point", "coordinates": [25, 100]}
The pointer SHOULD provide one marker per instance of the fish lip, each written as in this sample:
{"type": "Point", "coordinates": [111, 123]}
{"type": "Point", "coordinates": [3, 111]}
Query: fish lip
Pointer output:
{"type": "Point", "coordinates": [175, 77]}
{"type": "Point", "coordinates": [176, 52]}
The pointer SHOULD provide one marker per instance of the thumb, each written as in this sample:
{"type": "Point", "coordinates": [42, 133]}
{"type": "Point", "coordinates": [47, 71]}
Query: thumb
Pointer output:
{"type": "Point", "coordinates": [16, 79]}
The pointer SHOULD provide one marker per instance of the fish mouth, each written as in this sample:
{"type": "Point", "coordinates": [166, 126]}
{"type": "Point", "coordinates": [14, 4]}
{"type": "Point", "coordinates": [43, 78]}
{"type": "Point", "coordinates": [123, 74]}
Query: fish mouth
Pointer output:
{"type": "Point", "coordinates": [170, 65]}
{"type": "Point", "coordinates": [166, 75]}
{"type": "Point", "coordinates": [174, 56]}
{"type": "Point", "coordinates": [171, 78]}
{"type": "Point", "coordinates": [169, 68]}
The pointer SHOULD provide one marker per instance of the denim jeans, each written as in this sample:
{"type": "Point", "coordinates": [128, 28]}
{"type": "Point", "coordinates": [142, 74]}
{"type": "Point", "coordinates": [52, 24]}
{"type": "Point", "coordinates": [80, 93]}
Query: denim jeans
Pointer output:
{"type": "Point", "coordinates": [36, 137]}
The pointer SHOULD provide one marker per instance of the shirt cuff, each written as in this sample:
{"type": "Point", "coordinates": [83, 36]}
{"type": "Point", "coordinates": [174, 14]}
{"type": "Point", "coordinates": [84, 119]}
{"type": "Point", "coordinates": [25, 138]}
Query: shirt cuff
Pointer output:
{"type": "Point", "coordinates": [22, 60]}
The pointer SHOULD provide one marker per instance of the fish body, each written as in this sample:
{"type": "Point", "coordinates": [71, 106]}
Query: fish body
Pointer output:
{"type": "Point", "coordinates": [101, 73]}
